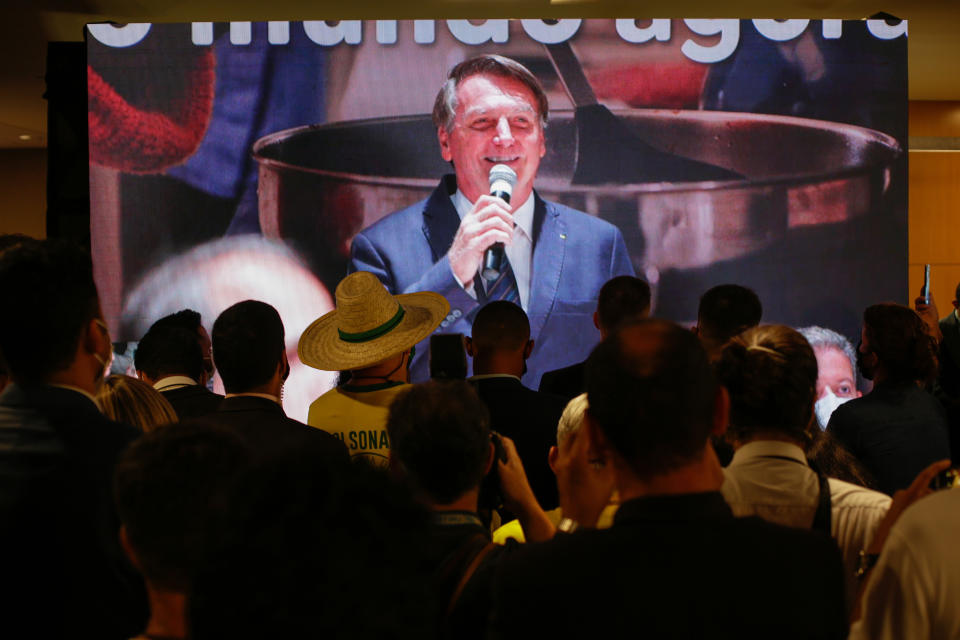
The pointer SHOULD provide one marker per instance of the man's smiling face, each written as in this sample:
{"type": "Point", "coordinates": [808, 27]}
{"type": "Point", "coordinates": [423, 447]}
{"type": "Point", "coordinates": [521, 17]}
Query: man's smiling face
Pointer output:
{"type": "Point", "coordinates": [496, 122]}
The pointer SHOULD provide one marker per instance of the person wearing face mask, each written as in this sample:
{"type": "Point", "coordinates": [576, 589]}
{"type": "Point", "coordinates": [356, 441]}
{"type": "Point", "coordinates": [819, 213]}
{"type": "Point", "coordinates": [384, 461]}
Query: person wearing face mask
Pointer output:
{"type": "Point", "coordinates": [372, 336]}
{"type": "Point", "coordinates": [836, 370]}
{"type": "Point", "coordinates": [771, 373]}
{"type": "Point", "coordinates": [251, 356]}
{"type": "Point", "coordinates": [897, 429]}
{"type": "Point", "coordinates": [64, 572]}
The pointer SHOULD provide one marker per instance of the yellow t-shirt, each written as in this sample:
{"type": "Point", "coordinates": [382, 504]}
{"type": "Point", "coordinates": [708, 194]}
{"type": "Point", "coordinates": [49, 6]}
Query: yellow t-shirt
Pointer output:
{"type": "Point", "coordinates": [358, 418]}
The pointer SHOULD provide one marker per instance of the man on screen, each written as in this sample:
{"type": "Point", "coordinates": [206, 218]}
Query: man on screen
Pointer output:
{"type": "Point", "coordinates": [491, 111]}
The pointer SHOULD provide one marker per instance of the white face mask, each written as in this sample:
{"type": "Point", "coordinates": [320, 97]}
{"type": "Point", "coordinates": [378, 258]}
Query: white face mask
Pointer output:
{"type": "Point", "coordinates": [825, 407]}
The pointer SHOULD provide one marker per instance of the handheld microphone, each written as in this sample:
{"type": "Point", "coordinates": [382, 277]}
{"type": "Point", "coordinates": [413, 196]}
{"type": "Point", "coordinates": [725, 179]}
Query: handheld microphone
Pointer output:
{"type": "Point", "coordinates": [502, 179]}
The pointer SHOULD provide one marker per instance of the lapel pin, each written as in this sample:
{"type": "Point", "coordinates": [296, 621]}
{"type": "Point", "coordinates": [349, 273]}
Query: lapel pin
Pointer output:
{"type": "Point", "coordinates": [563, 236]}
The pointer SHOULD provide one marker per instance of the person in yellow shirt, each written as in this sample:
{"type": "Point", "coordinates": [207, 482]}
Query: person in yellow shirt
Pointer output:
{"type": "Point", "coordinates": [372, 336]}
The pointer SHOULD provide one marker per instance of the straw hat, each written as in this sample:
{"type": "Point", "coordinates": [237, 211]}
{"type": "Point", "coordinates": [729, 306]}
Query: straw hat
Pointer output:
{"type": "Point", "coordinates": [369, 325]}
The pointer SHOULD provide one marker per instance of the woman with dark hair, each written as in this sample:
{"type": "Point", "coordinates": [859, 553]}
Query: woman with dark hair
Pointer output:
{"type": "Point", "coordinates": [898, 429]}
{"type": "Point", "coordinates": [770, 373]}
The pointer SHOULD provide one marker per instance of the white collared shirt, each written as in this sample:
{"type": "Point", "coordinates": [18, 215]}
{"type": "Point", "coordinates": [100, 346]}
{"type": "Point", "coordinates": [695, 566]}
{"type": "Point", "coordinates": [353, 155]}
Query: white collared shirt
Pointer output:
{"type": "Point", "coordinates": [174, 382]}
{"type": "Point", "coordinates": [760, 482]}
{"type": "Point", "coordinates": [519, 253]}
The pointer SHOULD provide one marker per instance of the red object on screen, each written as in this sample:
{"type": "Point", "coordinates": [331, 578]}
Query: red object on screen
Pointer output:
{"type": "Point", "coordinates": [154, 134]}
{"type": "Point", "coordinates": [665, 85]}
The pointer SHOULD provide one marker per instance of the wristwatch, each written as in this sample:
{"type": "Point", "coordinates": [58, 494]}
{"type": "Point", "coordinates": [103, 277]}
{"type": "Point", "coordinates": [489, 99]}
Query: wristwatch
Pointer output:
{"type": "Point", "coordinates": [567, 525]}
{"type": "Point", "coordinates": [865, 562]}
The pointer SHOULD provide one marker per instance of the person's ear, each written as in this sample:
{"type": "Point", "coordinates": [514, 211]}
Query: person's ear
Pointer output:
{"type": "Point", "coordinates": [128, 548]}
{"type": "Point", "coordinates": [94, 338]}
{"type": "Point", "coordinates": [443, 137]}
{"type": "Point", "coordinates": [552, 458]}
{"type": "Point", "coordinates": [468, 346]}
{"type": "Point", "coordinates": [490, 456]}
{"type": "Point", "coordinates": [596, 320]}
{"type": "Point", "coordinates": [145, 378]}
{"type": "Point", "coordinates": [283, 368]}
{"type": "Point", "coordinates": [527, 349]}
{"type": "Point", "coordinates": [721, 411]}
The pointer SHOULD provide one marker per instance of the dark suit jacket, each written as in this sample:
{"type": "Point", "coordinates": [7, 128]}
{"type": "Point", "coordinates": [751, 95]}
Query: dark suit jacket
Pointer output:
{"type": "Point", "coordinates": [529, 418]}
{"type": "Point", "coordinates": [674, 567]}
{"type": "Point", "coordinates": [64, 573]}
{"type": "Point", "coordinates": [574, 254]}
{"type": "Point", "coordinates": [896, 430]}
{"type": "Point", "coordinates": [948, 382]}
{"type": "Point", "coordinates": [193, 401]}
{"type": "Point", "coordinates": [264, 425]}
{"type": "Point", "coordinates": [950, 356]}
{"type": "Point", "coordinates": [568, 382]}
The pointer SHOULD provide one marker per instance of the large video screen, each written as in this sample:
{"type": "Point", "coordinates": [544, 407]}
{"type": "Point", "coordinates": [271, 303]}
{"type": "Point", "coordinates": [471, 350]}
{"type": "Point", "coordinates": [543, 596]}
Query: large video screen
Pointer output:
{"type": "Point", "coordinates": [232, 161]}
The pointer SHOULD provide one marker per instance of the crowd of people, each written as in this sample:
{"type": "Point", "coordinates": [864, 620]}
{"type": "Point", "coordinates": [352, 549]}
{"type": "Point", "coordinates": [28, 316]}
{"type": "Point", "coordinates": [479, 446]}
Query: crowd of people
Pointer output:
{"type": "Point", "coordinates": [733, 480]}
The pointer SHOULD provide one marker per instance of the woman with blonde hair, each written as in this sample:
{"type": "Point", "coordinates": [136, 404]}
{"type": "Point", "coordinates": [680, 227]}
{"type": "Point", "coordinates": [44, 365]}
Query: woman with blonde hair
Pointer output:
{"type": "Point", "coordinates": [134, 402]}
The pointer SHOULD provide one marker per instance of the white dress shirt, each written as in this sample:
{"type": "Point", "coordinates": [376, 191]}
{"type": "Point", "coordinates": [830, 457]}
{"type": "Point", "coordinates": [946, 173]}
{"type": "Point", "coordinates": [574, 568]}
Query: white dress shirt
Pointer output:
{"type": "Point", "coordinates": [786, 492]}
{"type": "Point", "coordinates": [519, 253]}
{"type": "Point", "coordinates": [914, 589]}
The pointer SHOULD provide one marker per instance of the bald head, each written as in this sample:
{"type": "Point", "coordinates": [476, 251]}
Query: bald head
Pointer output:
{"type": "Point", "coordinates": [652, 393]}
{"type": "Point", "coordinates": [500, 326]}
{"type": "Point", "coordinates": [500, 343]}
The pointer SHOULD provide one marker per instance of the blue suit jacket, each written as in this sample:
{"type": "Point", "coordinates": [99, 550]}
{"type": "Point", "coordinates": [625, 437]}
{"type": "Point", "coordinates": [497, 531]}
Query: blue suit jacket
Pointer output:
{"type": "Point", "coordinates": [574, 254]}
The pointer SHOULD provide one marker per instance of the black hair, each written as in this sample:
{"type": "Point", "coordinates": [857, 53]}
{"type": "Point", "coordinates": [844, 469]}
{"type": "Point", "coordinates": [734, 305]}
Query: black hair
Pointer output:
{"type": "Point", "coordinates": [899, 338]}
{"type": "Point", "coordinates": [168, 486]}
{"type": "Point", "coordinates": [440, 434]}
{"type": "Point", "coordinates": [725, 311]}
{"type": "Point", "coordinates": [652, 393]}
{"type": "Point", "coordinates": [771, 375]}
{"type": "Point", "coordinates": [622, 298]}
{"type": "Point", "coordinates": [185, 319]}
{"type": "Point", "coordinates": [169, 350]}
{"type": "Point", "coordinates": [312, 551]}
{"type": "Point", "coordinates": [48, 295]}
{"type": "Point", "coordinates": [500, 325]}
{"type": "Point", "coordinates": [248, 343]}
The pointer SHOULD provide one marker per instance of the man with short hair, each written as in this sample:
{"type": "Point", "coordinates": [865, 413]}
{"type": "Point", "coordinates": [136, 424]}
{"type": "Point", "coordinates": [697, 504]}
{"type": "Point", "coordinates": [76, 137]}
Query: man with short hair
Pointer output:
{"type": "Point", "coordinates": [725, 311]}
{"type": "Point", "coordinates": [948, 381]}
{"type": "Point", "coordinates": [675, 563]}
{"type": "Point", "coordinates": [171, 360]}
{"type": "Point", "coordinates": [898, 428]}
{"type": "Point", "coordinates": [372, 335]}
{"type": "Point", "coordinates": [250, 354]}
{"type": "Point", "coordinates": [168, 487]}
{"type": "Point", "coordinates": [836, 370]}
{"type": "Point", "coordinates": [493, 111]}
{"type": "Point", "coordinates": [442, 449]}
{"type": "Point", "coordinates": [64, 573]}
{"type": "Point", "coordinates": [621, 298]}
{"type": "Point", "coordinates": [192, 321]}
{"type": "Point", "coordinates": [500, 346]}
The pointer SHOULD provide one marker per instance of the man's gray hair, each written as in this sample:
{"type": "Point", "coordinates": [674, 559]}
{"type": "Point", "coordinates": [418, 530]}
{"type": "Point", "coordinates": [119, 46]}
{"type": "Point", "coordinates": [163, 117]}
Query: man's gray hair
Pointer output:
{"type": "Point", "coordinates": [445, 105]}
{"type": "Point", "coordinates": [821, 337]}
{"type": "Point", "coordinates": [572, 418]}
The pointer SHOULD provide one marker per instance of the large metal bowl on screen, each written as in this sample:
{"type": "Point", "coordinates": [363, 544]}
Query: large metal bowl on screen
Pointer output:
{"type": "Point", "coordinates": [320, 185]}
